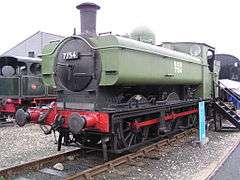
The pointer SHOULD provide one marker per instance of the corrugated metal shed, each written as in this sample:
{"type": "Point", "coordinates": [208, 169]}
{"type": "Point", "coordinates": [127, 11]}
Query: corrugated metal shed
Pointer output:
{"type": "Point", "coordinates": [32, 46]}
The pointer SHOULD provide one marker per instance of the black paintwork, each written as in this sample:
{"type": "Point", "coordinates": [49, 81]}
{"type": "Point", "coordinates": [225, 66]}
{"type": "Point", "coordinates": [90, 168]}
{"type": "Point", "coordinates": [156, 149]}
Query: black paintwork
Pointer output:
{"type": "Point", "coordinates": [230, 67]}
{"type": "Point", "coordinates": [88, 18]}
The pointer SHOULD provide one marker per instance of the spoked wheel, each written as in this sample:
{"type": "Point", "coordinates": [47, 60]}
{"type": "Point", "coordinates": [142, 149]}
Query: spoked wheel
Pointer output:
{"type": "Point", "coordinates": [131, 136]}
{"type": "Point", "coordinates": [189, 122]}
{"type": "Point", "coordinates": [192, 121]}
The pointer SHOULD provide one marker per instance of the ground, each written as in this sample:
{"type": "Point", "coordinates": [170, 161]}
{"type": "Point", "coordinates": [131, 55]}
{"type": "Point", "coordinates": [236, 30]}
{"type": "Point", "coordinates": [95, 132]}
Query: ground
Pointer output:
{"type": "Point", "coordinates": [184, 160]}
{"type": "Point", "coordinates": [24, 144]}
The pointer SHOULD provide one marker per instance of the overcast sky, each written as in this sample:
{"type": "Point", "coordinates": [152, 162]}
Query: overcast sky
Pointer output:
{"type": "Point", "coordinates": [215, 22]}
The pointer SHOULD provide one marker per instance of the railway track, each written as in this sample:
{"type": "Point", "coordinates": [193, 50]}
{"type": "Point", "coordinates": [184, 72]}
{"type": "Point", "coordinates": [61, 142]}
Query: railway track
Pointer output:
{"type": "Point", "coordinates": [85, 170]}
{"type": "Point", "coordinates": [37, 164]}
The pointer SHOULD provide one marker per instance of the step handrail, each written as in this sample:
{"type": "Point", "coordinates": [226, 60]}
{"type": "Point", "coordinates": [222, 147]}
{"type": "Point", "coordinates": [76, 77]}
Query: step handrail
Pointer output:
{"type": "Point", "coordinates": [228, 91]}
{"type": "Point", "coordinates": [228, 115]}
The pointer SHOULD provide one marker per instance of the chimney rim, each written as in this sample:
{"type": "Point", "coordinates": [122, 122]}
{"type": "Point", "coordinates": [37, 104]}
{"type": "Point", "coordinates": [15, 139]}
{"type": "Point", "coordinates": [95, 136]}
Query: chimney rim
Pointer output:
{"type": "Point", "coordinates": [88, 4]}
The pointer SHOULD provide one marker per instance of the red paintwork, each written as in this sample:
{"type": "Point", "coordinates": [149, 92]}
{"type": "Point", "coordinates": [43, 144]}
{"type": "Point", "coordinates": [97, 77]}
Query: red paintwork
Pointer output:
{"type": "Point", "coordinates": [181, 114]}
{"type": "Point", "coordinates": [11, 104]}
{"type": "Point", "coordinates": [45, 99]}
{"type": "Point", "coordinates": [94, 120]}
{"type": "Point", "coordinates": [34, 86]}
{"type": "Point", "coordinates": [91, 121]}
{"type": "Point", "coordinates": [166, 118]}
{"type": "Point", "coordinates": [36, 112]}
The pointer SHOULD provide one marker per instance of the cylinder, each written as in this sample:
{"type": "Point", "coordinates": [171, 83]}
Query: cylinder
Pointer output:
{"type": "Point", "coordinates": [88, 13]}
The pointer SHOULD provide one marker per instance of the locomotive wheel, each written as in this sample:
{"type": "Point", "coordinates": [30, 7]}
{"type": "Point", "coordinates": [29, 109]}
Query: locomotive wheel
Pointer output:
{"type": "Point", "coordinates": [193, 121]}
{"type": "Point", "coordinates": [131, 136]}
{"type": "Point", "coordinates": [172, 97]}
{"type": "Point", "coordinates": [189, 122]}
{"type": "Point", "coordinates": [173, 125]}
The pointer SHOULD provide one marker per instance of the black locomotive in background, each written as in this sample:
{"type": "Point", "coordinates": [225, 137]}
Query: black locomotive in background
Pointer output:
{"type": "Point", "coordinates": [21, 86]}
{"type": "Point", "coordinates": [230, 67]}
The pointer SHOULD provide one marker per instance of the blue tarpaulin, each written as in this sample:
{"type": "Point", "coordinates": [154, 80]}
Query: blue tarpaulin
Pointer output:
{"type": "Point", "coordinates": [234, 101]}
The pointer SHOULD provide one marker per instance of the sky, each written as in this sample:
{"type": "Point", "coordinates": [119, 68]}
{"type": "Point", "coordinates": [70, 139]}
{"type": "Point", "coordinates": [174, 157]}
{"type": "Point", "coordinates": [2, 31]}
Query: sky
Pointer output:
{"type": "Point", "coordinates": [215, 22]}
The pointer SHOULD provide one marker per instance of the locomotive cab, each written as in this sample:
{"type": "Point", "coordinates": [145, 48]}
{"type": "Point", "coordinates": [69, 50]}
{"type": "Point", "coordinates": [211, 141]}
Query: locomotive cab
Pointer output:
{"type": "Point", "coordinates": [207, 55]}
{"type": "Point", "coordinates": [201, 50]}
{"type": "Point", "coordinates": [21, 76]}
{"type": "Point", "coordinates": [15, 65]}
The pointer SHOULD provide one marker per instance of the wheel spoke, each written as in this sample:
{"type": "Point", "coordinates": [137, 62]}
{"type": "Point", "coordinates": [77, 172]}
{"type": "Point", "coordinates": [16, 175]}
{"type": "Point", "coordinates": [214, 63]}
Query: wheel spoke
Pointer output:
{"type": "Point", "coordinates": [135, 139]}
{"type": "Point", "coordinates": [131, 139]}
{"type": "Point", "coordinates": [129, 134]}
{"type": "Point", "coordinates": [127, 129]}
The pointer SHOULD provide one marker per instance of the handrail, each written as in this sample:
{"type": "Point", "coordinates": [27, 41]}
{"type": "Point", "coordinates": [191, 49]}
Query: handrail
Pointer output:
{"type": "Point", "coordinates": [227, 90]}
{"type": "Point", "coordinates": [197, 60]}
{"type": "Point", "coordinates": [238, 96]}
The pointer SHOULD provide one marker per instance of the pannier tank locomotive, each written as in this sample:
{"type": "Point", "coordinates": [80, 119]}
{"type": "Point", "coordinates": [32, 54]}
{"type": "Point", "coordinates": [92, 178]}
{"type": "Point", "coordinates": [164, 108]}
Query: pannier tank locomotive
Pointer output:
{"type": "Point", "coordinates": [117, 93]}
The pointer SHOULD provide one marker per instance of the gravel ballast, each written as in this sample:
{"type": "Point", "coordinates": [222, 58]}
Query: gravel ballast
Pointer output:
{"type": "Point", "coordinates": [181, 161]}
{"type": "Point", "coordinates": [24, 144]}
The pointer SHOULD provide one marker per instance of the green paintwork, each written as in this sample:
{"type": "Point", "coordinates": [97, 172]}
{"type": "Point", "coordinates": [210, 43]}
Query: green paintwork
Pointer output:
{"type": "Point", "coordinates": [127, 62]}
{"type": "Point", "coordinates": [9, 86]}
{"type": "Point", "coordinates": [205, 89]}
{"type": "Point", "coordinates": [27, 89]}
{"type": "Point", "coordinates": [21, 86]}
{"type": "Point", "coordinates": [48, 56]}
{"type": "Point", "coordinates": [132, 62]}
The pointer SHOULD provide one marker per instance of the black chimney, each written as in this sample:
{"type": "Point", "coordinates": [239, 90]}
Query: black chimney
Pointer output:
{"type": "Point", "coordinates": [88, 13]}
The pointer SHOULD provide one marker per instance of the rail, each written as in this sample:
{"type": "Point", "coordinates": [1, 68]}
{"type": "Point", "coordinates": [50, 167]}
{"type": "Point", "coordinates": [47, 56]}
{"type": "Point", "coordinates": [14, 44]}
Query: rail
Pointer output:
{"type": "Point", "coordinates": [37, 164]}
{"type": "Point", "coordinates": [227, 90]}
{"type": "Point", "coordinates": [89, 173]}
{"type": "Point", "coordinates": [95, 170]}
